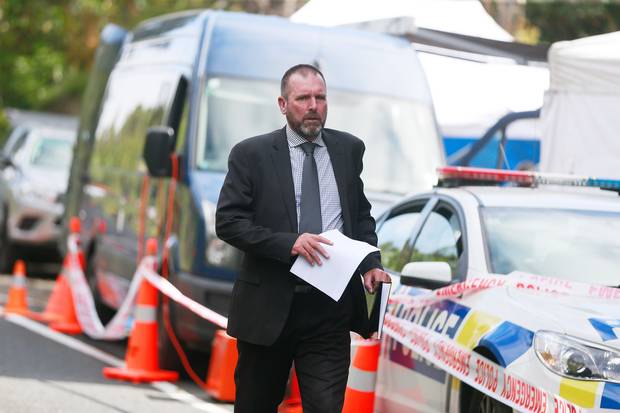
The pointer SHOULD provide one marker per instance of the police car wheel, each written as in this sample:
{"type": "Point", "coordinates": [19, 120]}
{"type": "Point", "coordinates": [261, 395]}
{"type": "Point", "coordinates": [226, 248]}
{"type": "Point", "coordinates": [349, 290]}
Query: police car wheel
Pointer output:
{"type": "Point", "coordinates": [482, 403]}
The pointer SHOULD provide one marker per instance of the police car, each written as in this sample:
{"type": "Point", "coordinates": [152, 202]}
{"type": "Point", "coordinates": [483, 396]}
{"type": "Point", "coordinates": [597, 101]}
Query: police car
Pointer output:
{"type": "Point", "coordinates": [478, 222]}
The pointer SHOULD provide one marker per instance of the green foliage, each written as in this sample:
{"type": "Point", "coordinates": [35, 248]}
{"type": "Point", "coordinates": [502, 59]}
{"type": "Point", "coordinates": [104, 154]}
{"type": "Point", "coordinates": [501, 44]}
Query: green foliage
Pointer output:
{"type": "Point", "coordinates": [566, 20]}
{"type": "Point", "coordinates": [4, 126]}
{"type": "Point", "coordinates": [47, 47]}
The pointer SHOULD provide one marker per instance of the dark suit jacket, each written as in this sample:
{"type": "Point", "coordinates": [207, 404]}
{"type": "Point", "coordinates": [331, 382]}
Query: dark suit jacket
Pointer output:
{"type": "Point", "coordinates": [256, 213]}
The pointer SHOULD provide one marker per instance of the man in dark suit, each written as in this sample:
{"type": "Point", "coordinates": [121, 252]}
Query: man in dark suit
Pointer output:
{"type": "Point", "coordinates": [282, 190]}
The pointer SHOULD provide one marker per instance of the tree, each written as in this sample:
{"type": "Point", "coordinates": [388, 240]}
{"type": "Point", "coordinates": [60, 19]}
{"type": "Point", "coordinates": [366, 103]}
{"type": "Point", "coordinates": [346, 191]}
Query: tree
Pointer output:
{"type": "Point", "coordinates": [567, 20]}
{"type": "Point", "coordinates": [47, 47]}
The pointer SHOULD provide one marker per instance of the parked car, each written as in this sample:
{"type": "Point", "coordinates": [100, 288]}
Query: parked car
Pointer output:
{"type": "Point", "coordinates": [471, 226]}
{"type": "Point", "coordinates": [34, 164]}
{"type": "Point", "coordinates": [194, 84]}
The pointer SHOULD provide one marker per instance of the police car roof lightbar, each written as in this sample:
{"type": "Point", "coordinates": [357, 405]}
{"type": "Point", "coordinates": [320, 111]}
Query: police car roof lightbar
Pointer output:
{"type": "Point", "coordinates": [461, 175]}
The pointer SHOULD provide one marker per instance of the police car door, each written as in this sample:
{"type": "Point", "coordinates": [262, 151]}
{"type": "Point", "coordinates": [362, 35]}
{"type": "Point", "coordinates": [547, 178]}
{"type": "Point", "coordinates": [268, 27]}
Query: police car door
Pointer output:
{"type": "Point", "coordinates": [406, 381]}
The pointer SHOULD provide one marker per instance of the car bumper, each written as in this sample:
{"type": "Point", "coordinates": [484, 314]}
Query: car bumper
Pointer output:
{"type": "Point", "coordinates": [34, 221]}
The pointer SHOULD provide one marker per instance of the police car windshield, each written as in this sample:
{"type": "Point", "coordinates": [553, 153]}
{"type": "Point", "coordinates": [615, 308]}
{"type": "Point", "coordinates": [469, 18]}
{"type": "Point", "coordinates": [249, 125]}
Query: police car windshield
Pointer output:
{"type": "Point", "coordinates": [576, 245]}
{"type": "Point", "coordinates": [402, 145]}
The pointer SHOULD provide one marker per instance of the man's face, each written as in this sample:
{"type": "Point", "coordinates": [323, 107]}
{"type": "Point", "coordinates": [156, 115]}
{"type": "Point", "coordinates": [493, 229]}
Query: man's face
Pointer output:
{"type": "Point", "coordinates": [305, 106]}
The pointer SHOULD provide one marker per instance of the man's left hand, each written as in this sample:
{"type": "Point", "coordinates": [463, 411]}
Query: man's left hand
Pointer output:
{"type": "Point", "coordinates": [374, 277]}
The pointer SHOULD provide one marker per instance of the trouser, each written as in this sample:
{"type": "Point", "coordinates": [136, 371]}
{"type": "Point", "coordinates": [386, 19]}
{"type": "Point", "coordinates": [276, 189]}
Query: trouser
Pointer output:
{"type": "Point", "coordinates": [316, 338]}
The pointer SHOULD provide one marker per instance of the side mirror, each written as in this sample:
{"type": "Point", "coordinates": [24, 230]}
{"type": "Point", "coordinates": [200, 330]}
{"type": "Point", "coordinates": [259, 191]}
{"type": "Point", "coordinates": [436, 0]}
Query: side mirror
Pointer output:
{"type": "Point", "coordinates": [430, 274]}
{"type": "Point", "coordinates": [157, 149]}
{"type": "Point", "coordinates": [5, 161]}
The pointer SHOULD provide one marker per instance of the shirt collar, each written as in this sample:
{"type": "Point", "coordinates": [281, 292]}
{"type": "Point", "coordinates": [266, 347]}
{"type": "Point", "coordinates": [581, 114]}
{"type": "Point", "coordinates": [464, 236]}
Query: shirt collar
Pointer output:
{"type": "Point", "coordinates": [294, 139]}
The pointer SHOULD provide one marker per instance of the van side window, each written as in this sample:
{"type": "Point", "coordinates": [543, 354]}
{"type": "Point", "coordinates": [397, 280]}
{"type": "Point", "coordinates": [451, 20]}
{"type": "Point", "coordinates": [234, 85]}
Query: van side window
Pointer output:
{"type": "Point", "coordinates": [182, 127]}
{"type": "Point", "coordinates": [135, 100]}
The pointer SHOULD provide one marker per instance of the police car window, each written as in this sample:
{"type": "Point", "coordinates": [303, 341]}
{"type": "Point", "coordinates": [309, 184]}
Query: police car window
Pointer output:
{"type": "Point", "coordinates": [395, 237]}
{"type": "Point", "coordinates": [440, 239]}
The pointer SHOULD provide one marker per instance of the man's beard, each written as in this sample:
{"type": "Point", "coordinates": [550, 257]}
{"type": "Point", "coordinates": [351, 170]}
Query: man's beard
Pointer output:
{"type": "Point", "coordinates": [308, 132]}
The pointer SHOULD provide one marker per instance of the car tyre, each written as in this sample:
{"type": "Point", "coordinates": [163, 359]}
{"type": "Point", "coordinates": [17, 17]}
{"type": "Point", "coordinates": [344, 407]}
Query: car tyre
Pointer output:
{"type": "Point", "coordinates": [483, 403]}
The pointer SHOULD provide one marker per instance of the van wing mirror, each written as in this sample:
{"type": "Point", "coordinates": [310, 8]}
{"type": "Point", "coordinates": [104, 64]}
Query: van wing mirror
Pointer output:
{"type": "Point", "coordinates": [430, 274]}
{"type": "Point", "coordinates": [157, 150]}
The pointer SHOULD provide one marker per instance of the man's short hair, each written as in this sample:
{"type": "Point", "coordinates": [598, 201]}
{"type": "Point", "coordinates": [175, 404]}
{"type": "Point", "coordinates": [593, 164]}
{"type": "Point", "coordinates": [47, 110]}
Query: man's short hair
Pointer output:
{"type": "Point", "coordinates": [303, 69]}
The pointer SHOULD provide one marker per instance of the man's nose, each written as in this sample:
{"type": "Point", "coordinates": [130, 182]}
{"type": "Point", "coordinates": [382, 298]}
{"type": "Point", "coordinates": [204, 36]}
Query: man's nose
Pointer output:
{"type": "Point", "coordinates": [312, 103]}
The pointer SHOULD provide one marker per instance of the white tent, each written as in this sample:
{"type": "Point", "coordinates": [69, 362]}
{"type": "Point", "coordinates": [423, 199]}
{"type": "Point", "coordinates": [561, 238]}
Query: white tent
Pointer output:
{"type": "Point", "coordinates": [581, 109]}
{"type": "Point", "coordinates": [466, 17]}
{"type": "Point", "coordinates": [469, 95]}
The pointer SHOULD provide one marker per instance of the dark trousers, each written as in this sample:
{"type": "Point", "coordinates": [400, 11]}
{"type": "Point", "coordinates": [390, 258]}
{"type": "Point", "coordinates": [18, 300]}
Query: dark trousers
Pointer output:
{"type": "Point", "coordinates": [316, 338]}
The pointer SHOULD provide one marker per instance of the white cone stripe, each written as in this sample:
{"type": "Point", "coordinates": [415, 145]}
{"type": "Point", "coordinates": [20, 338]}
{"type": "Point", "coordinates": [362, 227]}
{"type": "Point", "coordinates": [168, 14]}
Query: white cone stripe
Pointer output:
{"type": "Point", "coordinates": [19, 281]}
{"type": "Point", "coordinates": [362, 380]}
{"type": "Point", "coordinates": [145, 313]}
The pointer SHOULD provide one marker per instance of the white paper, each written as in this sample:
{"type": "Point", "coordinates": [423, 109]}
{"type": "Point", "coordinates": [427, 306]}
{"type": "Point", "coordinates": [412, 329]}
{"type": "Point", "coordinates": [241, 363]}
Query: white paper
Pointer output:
{"type": "Point", "coordinates": [334, 274]}
{"type": "Point", "coordinates": [384, 297]}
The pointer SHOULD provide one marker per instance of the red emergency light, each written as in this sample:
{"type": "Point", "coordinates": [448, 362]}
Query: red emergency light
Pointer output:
{"type": "Point", "coordinates": [485, 175]}
{"type": "Point", "coordinates": [462, 175]}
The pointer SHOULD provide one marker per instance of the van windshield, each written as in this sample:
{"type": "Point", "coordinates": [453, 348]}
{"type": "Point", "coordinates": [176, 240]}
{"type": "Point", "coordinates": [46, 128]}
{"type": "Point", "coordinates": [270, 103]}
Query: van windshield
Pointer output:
{"type": "Point", "coordinates": [402, 144]}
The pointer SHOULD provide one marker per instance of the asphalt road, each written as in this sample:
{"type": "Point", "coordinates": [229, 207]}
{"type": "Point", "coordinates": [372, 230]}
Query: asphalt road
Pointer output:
{"type": "Point", "coordinates": [43, 371]}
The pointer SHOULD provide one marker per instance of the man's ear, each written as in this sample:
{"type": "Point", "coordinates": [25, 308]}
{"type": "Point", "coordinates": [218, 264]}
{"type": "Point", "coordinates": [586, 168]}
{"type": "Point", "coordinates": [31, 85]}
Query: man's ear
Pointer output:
{"type": "Point", "coordinates": [282, 104]}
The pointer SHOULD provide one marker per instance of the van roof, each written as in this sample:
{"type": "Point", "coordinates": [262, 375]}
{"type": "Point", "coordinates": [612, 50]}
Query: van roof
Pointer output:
{"type": "Point", "coordinates": [263, 47]}
{"type": "Point", "coordinates": [169, 24]}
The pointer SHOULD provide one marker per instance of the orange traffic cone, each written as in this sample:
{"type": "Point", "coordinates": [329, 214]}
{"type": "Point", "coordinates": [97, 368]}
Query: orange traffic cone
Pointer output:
{"type": "Point", "coordinates": [17, 302]}
{"type": "Point", "coordinates": [292, 401]}
{"type": "Point", "coordinates": [141, 360]}
{"type": "Point", "coordinates": [75, 227]}
{"type": "Point", "coordinates": [59, 297]}
{"type": "Point", "coordinates": [360, 394]}
{"type": "Point", "coordinates": [60, 309]}
{"type": "Point", "coordinates": [220, 379]}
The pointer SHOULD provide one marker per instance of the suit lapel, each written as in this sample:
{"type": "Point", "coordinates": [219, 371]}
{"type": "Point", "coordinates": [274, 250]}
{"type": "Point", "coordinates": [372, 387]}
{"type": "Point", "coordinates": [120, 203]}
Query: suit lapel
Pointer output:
{"type": "Point", "coordinates": [341, 168]}
{"type": "Point", "coordinates": [282, 163]}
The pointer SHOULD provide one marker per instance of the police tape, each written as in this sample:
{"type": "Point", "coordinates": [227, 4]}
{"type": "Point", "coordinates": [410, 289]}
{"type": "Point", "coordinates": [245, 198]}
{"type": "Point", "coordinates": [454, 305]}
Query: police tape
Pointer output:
{"type": "Point", "coordinates": [166, 287]}
{"type": "Point", "coordinates": [475, 370]}
{"type": "Point", "coordinates": [120, 325]}
{"type": "Point", "coordinates": [536, 284]}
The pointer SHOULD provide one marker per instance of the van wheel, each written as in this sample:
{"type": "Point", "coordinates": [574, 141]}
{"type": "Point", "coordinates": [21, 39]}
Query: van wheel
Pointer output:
{"type": "Point", "coordinates": [168, 357]}
{"type": "Point", "coordinates": [105, 312]}
{"type": "Point", "coordinates": [482, 403]}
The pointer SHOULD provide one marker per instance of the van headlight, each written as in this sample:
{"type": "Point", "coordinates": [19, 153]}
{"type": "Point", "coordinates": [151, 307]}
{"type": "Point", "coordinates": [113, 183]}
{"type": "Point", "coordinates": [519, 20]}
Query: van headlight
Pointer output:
{"type": "Point", "coordinates": [218, 252]}
{"type": "Point", "coordinates": [576, 358]}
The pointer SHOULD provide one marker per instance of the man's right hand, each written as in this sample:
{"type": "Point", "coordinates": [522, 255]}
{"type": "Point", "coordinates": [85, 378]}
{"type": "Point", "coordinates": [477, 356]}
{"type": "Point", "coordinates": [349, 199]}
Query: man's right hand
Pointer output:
{"type": "Point", "coordinates": [309, 246]}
